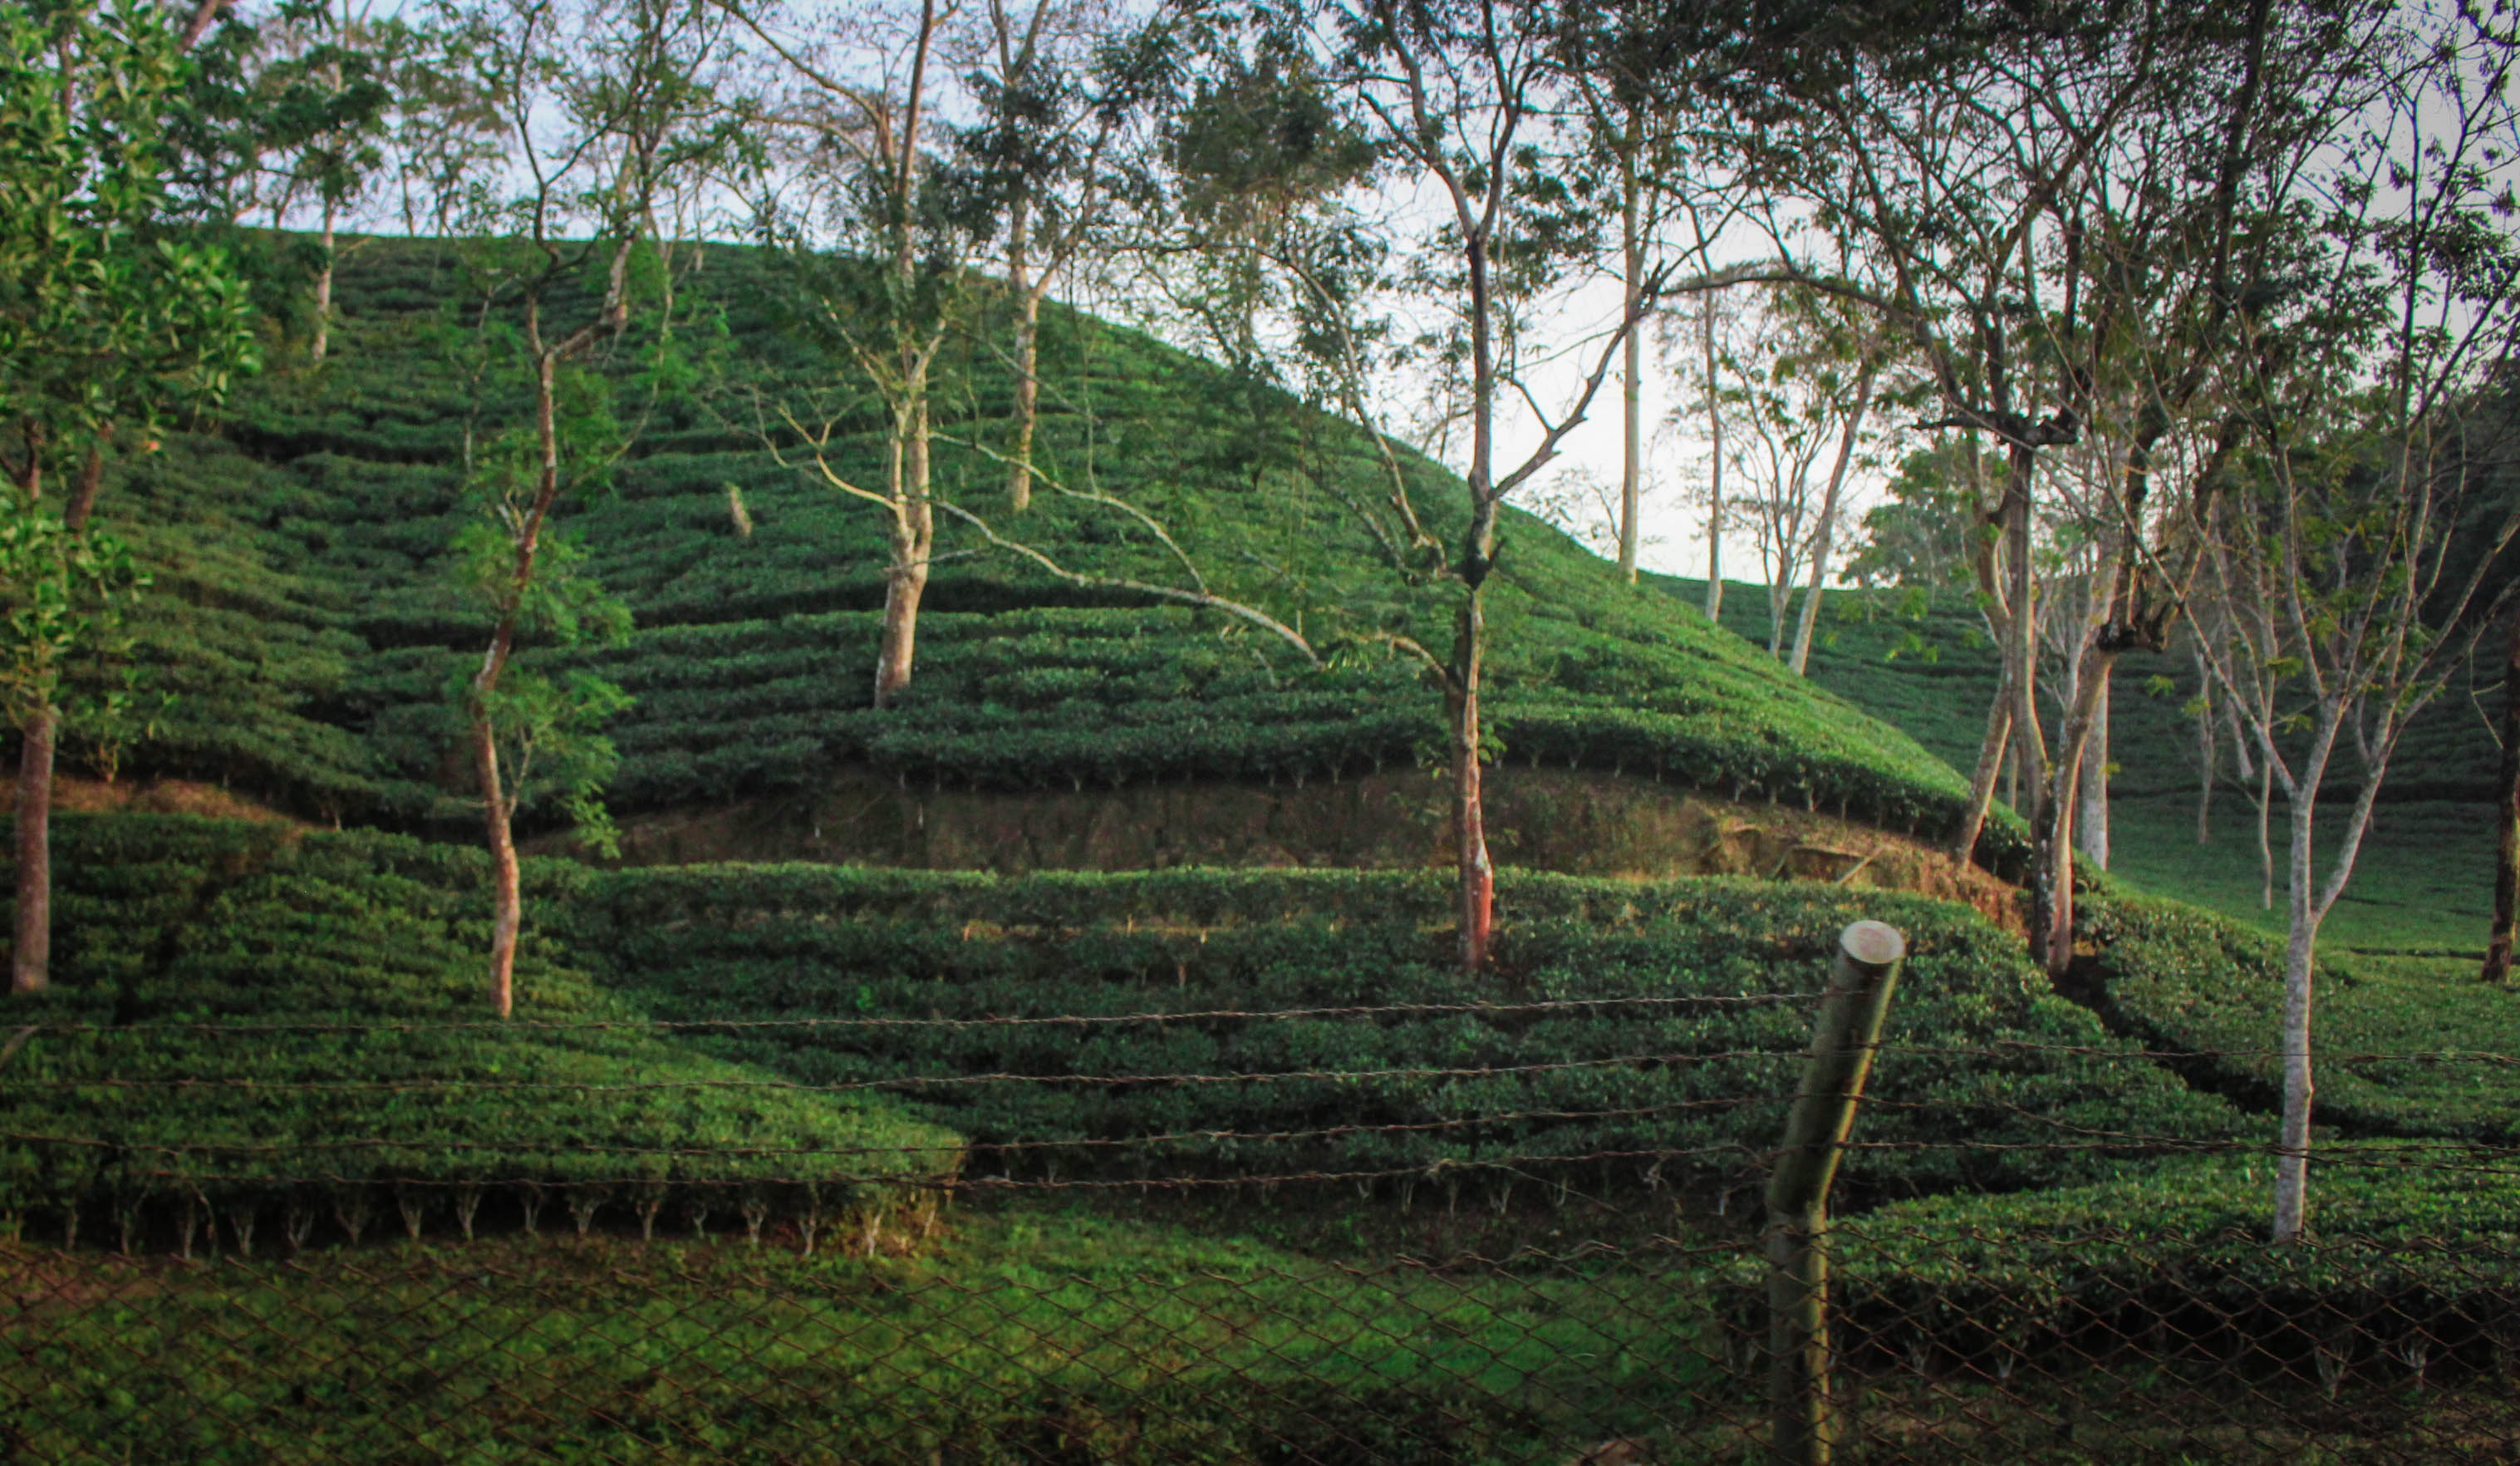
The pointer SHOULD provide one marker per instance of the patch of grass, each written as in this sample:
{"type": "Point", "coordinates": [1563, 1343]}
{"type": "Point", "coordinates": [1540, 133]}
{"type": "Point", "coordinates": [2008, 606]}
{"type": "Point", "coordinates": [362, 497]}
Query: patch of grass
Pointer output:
{"type": "Point", "coordinates": [1029, 1332]}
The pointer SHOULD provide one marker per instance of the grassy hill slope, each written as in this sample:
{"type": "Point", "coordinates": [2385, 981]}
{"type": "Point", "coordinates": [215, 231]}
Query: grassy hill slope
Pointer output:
{"type": "Point", "coordinates": [308, 621]}
{"type": "Point", "coordinates": [2421, 886]}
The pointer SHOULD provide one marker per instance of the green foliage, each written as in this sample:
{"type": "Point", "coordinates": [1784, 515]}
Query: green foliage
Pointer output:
{"type": "Point", "coordinates": [2180, 1251]}
{"type": "Point", "coordinates": [165, 1083]}
{"type": "Point", "coordinates": [1039, 1332]}
{"type": "Point", "coordinates": [61, 591]}
{"type": "Point", "coordinates": [2392, 1034]}
{"type": "Point", "coordinates": [107, 322]}
{"type": "Point", "coordinates": [1643, 1049]}
{"type": "Point", "coordinates": [326, 525]}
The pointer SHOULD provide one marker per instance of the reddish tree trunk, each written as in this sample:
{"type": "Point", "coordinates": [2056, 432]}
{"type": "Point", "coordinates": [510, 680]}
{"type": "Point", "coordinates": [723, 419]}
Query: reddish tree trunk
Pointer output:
{"type": "Point", "coordinates": [1470, 816]}
{"type": "Point", "coordinates": [30, 957]}
{"type": "Point", "coordinates": [1027, 362]}
{"type": "Point", "coordinates": [506, 902]}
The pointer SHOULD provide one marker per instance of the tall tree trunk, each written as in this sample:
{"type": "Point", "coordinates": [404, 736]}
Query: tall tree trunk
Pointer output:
{"type": "Point", "coordinates": [911, 534]}
{"type": "Point", "coordinates": [324, 288]}
{"type": "Point", "coordinates": [1027, 361]}
{"type": "Point", "coordinates": [1990, 763]}
{"type": "Point", "coordinates": [2300, 941]}
{"type": "Point", "coordinates": [1825, 536]}
{"type": "Point", "coordinates": [2266, 839]}
{"type": "Point", "coordinates": [31, 955]}
{"type": "Point", "coordinates": [1714, 468]}
{"type": "Point", "coordinates": [2207, 754]}
{"type": "Point", "coordinates": [2091, 822]}
{"type": "Point", "coordinates": [31, 951]}
{"type": "Point", "coordinates": [2506, 855]}
{"type": "Point", "coordinates": [507, 899]}
{"type": "Point", "coordinates": [1780, 604]}
{"type": "Point", "coordinates": [1631, 353]}
{"type": "Point", "coordinates": [2060, 801]}
{"type": "Point", "coordinates": [498, 804]}
{"type": "Point", "coordinates": [1477, 876]}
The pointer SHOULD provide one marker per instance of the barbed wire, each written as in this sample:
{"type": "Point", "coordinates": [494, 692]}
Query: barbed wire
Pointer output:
{"type": "Point", "coordinates": [895, 1081]}
{"type": "Point", "coordinates": [991, 1021]}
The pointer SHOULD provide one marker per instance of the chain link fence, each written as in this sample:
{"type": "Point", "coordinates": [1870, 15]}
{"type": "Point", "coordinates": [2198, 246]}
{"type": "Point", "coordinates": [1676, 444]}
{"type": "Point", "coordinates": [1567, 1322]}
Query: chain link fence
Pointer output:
{"type": "Point", "coordinates": [384, 1292]}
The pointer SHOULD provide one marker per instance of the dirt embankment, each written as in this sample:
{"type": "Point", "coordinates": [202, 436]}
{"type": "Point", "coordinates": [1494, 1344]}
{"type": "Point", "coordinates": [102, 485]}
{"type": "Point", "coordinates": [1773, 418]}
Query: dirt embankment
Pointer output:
{"type": "Point", "coordinates": [73, 795]}
{"type": "Point", "coordinates": [1582, 823]}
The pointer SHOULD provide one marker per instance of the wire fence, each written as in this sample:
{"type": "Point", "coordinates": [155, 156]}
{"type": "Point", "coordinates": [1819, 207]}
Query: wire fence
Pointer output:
{"type": "Point", "coordinates": [225, 1258]}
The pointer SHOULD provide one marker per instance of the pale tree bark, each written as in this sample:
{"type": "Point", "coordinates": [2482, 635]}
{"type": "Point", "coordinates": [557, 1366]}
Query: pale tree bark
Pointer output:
{"type": "Point", "coordinates": [2092, 823]}
{"type": "Point", "coordinates": [2207, 754]}
{"type": "Point", "coordinates": [1715, 467]}
{"type": "Point", "coordinates": [497, 804]}
{"type": "Point", "coordinates": [1826, 532]}
{"type": "Point", "coordinates": [1631, 266]}
{"type": "Point", "coordinates": [324, 290]}
{"type": "Point", "coordinates": [910, 533]}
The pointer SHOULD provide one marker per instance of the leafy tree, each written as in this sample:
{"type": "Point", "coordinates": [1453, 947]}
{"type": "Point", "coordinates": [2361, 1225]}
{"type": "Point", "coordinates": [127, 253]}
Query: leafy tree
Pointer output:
{"type": "Point", "coordinates": [1037, 174]}
{"type": "Point", "coordinates": [607, 110]}
{"type": "Point", "coordinates": [2348, 599]}
{"type": "Point", "coordinates": [110, 326]}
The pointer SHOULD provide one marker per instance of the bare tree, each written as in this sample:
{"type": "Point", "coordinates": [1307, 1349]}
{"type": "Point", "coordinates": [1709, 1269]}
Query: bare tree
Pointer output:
{"type": "Point", "coordinates": [2353, 550]}
{"type": "Point", "coordinates": [858, 90]}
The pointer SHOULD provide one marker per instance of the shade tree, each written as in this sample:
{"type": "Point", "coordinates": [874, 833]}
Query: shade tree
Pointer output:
{"type": "Point", "coordinates": [115, 327]}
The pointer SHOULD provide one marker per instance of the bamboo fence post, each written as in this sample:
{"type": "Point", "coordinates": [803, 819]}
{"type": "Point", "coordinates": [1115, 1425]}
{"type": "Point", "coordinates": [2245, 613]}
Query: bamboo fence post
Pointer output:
{"type": "Point", "coordinates": [1803, 1420]}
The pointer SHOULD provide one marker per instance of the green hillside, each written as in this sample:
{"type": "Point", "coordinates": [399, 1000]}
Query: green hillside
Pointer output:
{"type": "Point", "coordinates": [2422, 885]}
{"type": "Point", "coordinates": [308, 624]}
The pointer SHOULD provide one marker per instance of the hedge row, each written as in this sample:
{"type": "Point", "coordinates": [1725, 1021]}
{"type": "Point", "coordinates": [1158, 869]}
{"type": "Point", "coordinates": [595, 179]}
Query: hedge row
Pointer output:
{"type": "Point", "coordinates": [257, 1023]}
{"type": "Point", "coordinates": [1630, 1035]}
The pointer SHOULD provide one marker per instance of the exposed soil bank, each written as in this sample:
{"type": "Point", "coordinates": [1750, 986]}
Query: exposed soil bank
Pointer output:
{"type": "Point", "coordinates": [1582, 823]}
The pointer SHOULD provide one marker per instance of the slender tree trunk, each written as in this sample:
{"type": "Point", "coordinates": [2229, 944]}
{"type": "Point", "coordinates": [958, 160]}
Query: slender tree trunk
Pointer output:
{"type": "Point", "coordinates": [498, 806]}
{"type": "Point", "coordinates": [507, 899]}
{"type": "Point", "coordinates": [1825, 538]}
{"type": "Point", "coordinates": [2207, 754]}
{"type": "Point", "coordinates": [1632, 355]}
{"type": "Point", "coordinates": [2266, 843]}
{"type": "Point", "coordinates": [1470, 810]}
{"type": "Point", "coordinates": [1990, 763]}
{"type": "Point", "coordinates": [2052, 886]}
{"type": "Point", "coordinates": [324, 289]}
{"type": "Point", "coordinates": [911, 534]}
{"type": "Point", "coordinates": [1781, 606]}
{"type": "Point", "coordinates": [83, 494]}
{"type": "Point", "coordinates": [2093, 821]}
{"type": "Point", "coordinates": [30, 957]}
{"type": "Point", "coordinates": [2507, 857]}
{"type": "Point", "coordinates": [2301, 940]}
{"type": "Point", "coordinates": [31, 951]}
{"type": "Point", "coordinates": [1714, 468]}
{"type": "Point", "coordinates": [1027, 361]}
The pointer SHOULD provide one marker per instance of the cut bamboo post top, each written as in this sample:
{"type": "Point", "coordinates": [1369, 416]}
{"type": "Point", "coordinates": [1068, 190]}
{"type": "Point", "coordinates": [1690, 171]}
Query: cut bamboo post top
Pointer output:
{"type": "Point", "coordinates": [1873, 946]}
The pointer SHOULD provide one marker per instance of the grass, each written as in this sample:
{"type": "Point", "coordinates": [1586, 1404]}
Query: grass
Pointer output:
{"type": "Point", "coordinates": [1026, 1330]}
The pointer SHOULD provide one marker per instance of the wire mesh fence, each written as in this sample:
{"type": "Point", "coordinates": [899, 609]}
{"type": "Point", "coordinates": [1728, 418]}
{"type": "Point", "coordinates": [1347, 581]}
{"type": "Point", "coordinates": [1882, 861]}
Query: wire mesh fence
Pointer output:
{"type": "Point", "coordinates": [348, 1279]}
